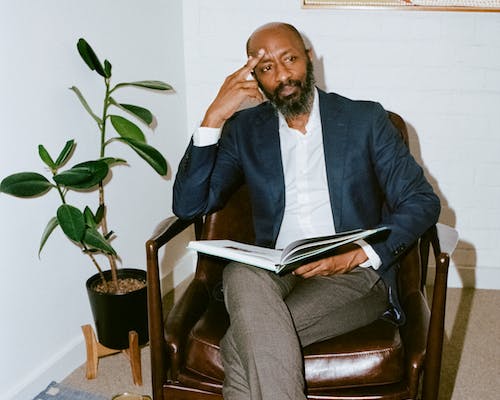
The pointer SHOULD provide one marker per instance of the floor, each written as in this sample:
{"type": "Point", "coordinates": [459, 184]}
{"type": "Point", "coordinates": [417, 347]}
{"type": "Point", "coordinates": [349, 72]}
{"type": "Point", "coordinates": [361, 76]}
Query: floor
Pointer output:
{"type": "Point", "coordinates": [471, 355]}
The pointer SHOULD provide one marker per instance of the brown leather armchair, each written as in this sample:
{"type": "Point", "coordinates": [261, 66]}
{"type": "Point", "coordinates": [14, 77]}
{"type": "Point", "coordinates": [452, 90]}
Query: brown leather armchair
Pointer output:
{"type": "Point", "coordinates": [378, 361]}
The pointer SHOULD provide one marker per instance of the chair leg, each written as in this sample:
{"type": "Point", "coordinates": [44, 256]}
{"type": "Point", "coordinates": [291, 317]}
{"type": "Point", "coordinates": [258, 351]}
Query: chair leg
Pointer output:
{"type": "Point", "coordinates": [432, 367]}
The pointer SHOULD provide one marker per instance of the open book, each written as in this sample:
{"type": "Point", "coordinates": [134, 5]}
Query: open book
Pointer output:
{"type": "Point", "coordinates": [286, 260]}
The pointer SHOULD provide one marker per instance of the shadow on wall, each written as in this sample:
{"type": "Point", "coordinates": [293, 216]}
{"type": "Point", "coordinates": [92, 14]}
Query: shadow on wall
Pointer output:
{"type": "Point", "coordinates": [465, 255]}
{"type": "Point", "coordinates": [174, 255]}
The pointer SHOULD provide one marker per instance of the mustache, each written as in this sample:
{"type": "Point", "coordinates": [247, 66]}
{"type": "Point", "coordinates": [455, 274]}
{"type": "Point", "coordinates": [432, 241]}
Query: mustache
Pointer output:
{"type": "Point", "coordinates": [290, 82]}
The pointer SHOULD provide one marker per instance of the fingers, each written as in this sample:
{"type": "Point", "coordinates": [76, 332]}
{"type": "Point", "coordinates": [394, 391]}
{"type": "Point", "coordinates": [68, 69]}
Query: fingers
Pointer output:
{"type": "Point", "coordinates": [339, 264]}
{"type": "Point", "coordinates": [251, 89]}
{"type": "Point", "coordinates": [230, 98]}
{"type": "Point", "coordinates": [254, 60]}
{"type": "Point", "coordinates": [311, 269]}
{"type": "Point", "coordinates": [251, 63]}
{"type": "Point", "coordinates": [235, 91]}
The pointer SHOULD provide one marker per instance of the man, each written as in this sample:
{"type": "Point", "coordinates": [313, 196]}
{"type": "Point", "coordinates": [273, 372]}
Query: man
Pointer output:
{"type": "Point", "coordinates": [315, 164]}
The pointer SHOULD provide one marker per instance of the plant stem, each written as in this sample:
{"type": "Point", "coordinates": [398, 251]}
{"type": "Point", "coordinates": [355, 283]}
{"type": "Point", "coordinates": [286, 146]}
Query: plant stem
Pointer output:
{"type": "Point", "coordinates": [104, 228]}
{"type": "Point", "coordinates": [104, 223]}
{"type": "Point", "coordinates": [61, 194]}
{"type": "Point", "coordinates": [104, 117]}
{"type": "Point", "coordinates": [103, 279]}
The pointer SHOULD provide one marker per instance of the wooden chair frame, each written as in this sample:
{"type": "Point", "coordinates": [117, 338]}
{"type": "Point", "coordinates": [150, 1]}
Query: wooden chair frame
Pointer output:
{"type": "Point", "coordinates": [425, 370]}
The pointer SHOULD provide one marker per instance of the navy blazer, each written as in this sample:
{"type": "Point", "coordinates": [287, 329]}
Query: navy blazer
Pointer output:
{"type": "Point", "coordinates": [373, 179]}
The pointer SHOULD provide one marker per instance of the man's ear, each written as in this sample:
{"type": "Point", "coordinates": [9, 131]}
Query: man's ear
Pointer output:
{"type": "Point", "coordinates": [309, 53]}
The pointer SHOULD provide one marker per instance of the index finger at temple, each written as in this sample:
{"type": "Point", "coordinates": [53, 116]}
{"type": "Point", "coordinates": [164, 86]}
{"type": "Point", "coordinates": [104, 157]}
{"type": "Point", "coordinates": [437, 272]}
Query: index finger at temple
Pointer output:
{"type": "Point", "coordinates": [253, 60]}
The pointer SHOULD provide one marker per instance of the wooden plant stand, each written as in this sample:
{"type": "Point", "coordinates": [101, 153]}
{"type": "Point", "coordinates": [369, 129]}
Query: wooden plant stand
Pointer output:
{"type": "Point", "coordinates": [96, 350]}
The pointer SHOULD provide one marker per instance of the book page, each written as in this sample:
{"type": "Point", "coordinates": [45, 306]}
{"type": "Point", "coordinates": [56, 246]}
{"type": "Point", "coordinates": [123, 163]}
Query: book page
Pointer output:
{"type": "Point", "coordinates": [310, 247]}
{"type": "Point", "coordinates": [299, 245]}
{"type": "Point", "coordinates": [249, 254]}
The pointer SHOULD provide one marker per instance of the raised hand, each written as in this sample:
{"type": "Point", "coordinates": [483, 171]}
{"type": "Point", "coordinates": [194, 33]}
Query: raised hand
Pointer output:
{"type": "Point", "coordinates": [236, 90]}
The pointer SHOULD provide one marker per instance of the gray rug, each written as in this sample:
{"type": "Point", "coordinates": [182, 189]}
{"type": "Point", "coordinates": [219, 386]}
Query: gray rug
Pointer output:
{"type": "Point", "coordinates": [57, 391]}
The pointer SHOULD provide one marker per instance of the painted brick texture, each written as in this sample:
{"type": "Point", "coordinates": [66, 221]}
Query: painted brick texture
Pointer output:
{"type": "Point", "coordinates": [439, 70]}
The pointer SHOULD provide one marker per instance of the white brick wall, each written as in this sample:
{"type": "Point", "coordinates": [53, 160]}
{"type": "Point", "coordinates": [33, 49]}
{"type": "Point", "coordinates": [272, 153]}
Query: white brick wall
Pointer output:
{"type": "Point", "coordinates": [439, 70]}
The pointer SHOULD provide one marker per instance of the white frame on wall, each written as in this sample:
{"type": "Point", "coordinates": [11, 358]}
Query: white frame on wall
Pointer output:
{"type": "Point", "coordinates": [411, 5]}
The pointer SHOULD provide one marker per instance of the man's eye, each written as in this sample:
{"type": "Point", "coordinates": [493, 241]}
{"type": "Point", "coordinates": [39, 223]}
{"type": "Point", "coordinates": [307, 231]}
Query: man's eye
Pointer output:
{"type": "Point", "coordinates": [291, 58]}
{"type": "Point", "coordinates": [265, 68]}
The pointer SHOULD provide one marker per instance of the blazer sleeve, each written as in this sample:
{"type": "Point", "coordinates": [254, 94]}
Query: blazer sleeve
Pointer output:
{"type": "Point", "coordinates": [206, 177]}
{"type": "Point", "coordinates": [410, 204]}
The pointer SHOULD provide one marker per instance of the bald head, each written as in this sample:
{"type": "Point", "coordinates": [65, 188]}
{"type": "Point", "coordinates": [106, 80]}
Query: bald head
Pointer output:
{"type": "Point", "coordinates": [269, 30]}
{"type": "Point", "coordinates": [283, 69]}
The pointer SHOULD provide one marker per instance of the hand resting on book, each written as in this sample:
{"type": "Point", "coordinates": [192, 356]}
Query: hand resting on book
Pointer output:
{"type": "Point", "coordinates": [351, 256]}
{"type": "Point", "coordinates": [327, 255]}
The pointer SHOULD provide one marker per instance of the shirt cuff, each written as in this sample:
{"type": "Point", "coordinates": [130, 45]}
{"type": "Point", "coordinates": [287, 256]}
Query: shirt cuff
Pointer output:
{"type": "Point", "coordinates": [204, 136]}
{"type": "Point", "coordinates": [373, 258]}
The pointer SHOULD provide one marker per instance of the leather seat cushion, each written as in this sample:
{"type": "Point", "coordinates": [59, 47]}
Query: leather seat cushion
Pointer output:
{"type": "Point", "coordinates": [372, 355]}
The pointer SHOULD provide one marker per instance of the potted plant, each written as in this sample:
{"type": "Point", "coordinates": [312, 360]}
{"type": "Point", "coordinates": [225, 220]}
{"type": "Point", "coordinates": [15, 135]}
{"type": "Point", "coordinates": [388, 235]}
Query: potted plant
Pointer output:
{"type": "Point", "coordinates": [86, 228]}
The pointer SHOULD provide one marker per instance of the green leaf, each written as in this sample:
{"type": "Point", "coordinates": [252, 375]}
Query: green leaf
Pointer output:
{"type": "Point", "coordinates": [107, 68]}
{"type": "Point", "coordinates": [65, 153]}
{"type": "Point", "coordinates": [90, 58]}
{"type": "Point", "coordinates": [156, 85]}
{"type": "Point", "coordinates": [112, 161]}
{"type": "Point", "coordinates": [141, 113]}
{"type": "Point", "coordinates": [25, 184]}
{"type": "Point", "coordinates": [72, 222]}
{"type": "Point", "coordinates": [93, 239]}
{"type": "Point", "coordinates": [84, 175]}
{"type": "Point", "coordinates": [89, 217]}
{"type": "Point", "coordinates": [46, 158]}
{"type": "Point", "coordinates": [51, 225]}
{"type": "Point", "coordinates": [73, 176]}
{"type": "Point", "coordinates": [92, 220]}
{"type": "Point", "coordinates": [85, 104]}
{"type": "Point", "coordinates": [152, 156]}
{"type": "Point", "coordinates": [99, 214]}
{"type": "Point", "coordinates": [127, 129]}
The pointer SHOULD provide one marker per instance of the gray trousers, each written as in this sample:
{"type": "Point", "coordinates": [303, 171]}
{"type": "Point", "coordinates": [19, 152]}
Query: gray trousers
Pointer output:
{"type": "Point", "coordinates": [272, 317]}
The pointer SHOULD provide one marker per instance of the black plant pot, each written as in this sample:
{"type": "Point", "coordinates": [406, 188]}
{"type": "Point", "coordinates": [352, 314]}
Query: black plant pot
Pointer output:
{"type": "Point", "coordinates": [117, 314]}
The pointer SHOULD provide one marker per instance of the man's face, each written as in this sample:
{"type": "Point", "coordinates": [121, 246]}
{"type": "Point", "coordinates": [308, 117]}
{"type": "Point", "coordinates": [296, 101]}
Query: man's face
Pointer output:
{"type": "Point", "coordinates": [285, 73]}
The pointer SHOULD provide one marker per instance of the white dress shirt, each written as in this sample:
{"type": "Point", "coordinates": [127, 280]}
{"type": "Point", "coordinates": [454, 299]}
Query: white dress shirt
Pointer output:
{"type": "Point", "coordinates": [308, 212]}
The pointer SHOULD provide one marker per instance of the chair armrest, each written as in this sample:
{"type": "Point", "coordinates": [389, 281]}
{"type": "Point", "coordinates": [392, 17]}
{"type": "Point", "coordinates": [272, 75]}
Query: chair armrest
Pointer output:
{"type": "Point", "coordinates": [181, 319]}
{"type": "Point", "coordinates": [432, 369]}
{"type": "Point", "coordinates": [171, 227]}
{"type": "Point", "coordinates": [414, 336]}
{"type": "Point", "coordinates": [166, 230]}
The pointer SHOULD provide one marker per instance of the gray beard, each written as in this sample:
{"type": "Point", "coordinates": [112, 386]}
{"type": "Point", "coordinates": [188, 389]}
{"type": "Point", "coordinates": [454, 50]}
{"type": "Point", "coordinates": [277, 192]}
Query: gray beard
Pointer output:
{"type": "Point", "coordinates": [291, 108]}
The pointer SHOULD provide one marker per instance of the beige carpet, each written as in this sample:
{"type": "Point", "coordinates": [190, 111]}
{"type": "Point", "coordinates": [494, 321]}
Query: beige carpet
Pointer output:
{"type": "Point", "coordinates": [471, 359]}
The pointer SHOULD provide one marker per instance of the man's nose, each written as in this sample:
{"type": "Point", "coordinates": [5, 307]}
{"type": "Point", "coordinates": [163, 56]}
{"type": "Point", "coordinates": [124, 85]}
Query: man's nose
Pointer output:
{"type": "Point", "coordinates": [283, 74]}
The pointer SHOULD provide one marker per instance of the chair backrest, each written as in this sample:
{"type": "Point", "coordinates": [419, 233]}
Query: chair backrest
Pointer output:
{"type": "Point", "coordinates": [400, 125]}
{"type": "Point", "coordinates": [233, 222]}
{"type": "Point", "coordinates": [413, 264]}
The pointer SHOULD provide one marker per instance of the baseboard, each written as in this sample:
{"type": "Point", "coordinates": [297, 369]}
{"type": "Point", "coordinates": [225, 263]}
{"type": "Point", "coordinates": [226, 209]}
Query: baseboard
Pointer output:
{"type": "Point", "coordinates": [55, 368]}
{"type": "Point", "coordinates": [476, 277]}
{"type": "Point", "coordinates": [71, 356]}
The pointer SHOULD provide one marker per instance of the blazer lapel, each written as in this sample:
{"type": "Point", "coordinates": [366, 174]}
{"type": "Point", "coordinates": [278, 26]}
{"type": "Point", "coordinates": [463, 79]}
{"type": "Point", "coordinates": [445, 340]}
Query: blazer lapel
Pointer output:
{"type": "Point", "coordinates": [335, 128]}
{"type": "Point", "coordinates": [335, 136]}
{"type": "Point", "coordinates": [268, 142]}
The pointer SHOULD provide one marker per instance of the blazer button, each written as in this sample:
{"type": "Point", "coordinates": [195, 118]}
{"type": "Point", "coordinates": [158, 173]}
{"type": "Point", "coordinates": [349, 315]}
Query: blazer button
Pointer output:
{"type": "Point", "coordinates": [399, 250]}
